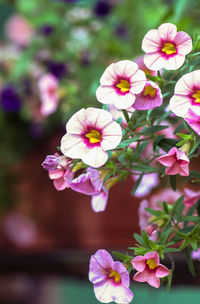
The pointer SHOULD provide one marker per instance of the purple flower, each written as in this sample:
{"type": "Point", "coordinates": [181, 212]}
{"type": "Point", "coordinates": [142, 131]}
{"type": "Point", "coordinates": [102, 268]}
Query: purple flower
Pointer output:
{"type": "Point", "coordinates": [111, 279]}
{"type": "Point", "coordinates": [51, 162]}
{"type": "Point", "coordinates": [88, 183]}
{"type": "Point", "coordinates": [102, 8]}
{"type": "Point", "coordinates": [47, 30]}
{"type": "Point", "coordinates": [99, 200]}
{"type": "Point", "coordinates": [196, 255]}
{"type": "Point", "coordinates": [193, 121]}
{"type": "Point", "coordinates": [58, 69]}
{"type": "Point", "coordinates": [10, 100]}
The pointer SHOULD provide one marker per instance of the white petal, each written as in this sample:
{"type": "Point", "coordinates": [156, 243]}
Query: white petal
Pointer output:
{"type": "Point", "coordinates": [125, 68]}
{"type": "Point", "coordinates": [154, 61]}
{"type": "Point", "coordinates": [105, 94]}
{"type": "Point", "coordinates": [138, 81]}
{"type": "Point", "coordinates": [167, 31]}
{"type": "Point", "coordinates": [184, 85]}
{"type": "Point", "coordinates": [73, 146]}
{"type": "Point", "coordinates": [95, 157]}
{"type": "Point", "coordinates": [180, 105]}
{"type": "Point", "coordinates": [109, 76]}
{"type": "Point", "coordinates": [76, 123]}
{"type": "Point", "coordinates": [183, 43]}
{"type": "Point", "coordinates": [151, 42]}
{"type": "Point", "coordinates": [104, 117]}
{"type": "Point", "coordinates": [109, 292]}
{"type": "Point", "coordinates": [196, 78]}
{"type": "Point", "coordinates": [99, 200]}
{"type": "Point", "coordinates": [124, 101]}
{"type": "Point", "coordinates": [174, 62]}
{"type": "Point", "coordinates": [195, 109]}
{"type": "Point", "coordinates": [112, 135]}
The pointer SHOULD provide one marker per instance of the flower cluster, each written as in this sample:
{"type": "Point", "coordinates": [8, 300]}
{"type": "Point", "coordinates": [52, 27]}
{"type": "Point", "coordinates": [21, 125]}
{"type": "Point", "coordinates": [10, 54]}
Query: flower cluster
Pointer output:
{"type": "Point", "coordinates": [137, 133]}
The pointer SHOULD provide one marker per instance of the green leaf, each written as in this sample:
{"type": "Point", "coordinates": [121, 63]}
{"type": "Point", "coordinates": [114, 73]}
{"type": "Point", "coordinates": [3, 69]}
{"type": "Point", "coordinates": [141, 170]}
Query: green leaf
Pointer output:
{"type": "Point", "coordinates": [137, 184]}
{"type": "Point", "coordinates": [167, 143]}
{"type": "Point", "coordinates": [121, 256]}
{"type": "Point", "coordinates": [191, 218]}
{"type": "Point", "coordinates": [157, 140]}
{"type": "Point", "coordinates": [167, 250]}
{"type": "Point", "coordinates": [145, 238]}
{"type": "Point", "coordinates": [177, 205]}
{"type": "Point", "coordinates": [152, 130]}
{"type": "Point", "coordinates": [172, 179]}
{"type": "Point", "coordinates": [139, 239]}
{"type": "Point", "coordinates": [153, 212]}
{"type": "Point", "coordinates": [190, 262]}
{"type": "Point", "coordinates": [127, 142]}
{"type": "Point", "coordinates": [143, 168]}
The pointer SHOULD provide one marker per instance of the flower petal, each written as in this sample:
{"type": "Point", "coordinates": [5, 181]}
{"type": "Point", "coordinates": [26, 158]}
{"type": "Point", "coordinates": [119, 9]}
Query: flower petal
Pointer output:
{"type": "Point", "coordinates": [167, 31]}
{"type": "Point", "coordinates": [154, 61]}
{"type": "Point", "coordinates": [99, 200]}
{"type": "Point", "coordinates": [76, 124]}
{"type": "Point", "coordinates": [179, 105]}
{"type": "Point", "coordinates": [162, 271]}
{"type": "Point", "coordinates": [73, 146]}
{"type": "Point", "coordinates": [174, 62]}
{"type": "Point", "coordinates": [139, 263]}
{"type": "Point", "coordinates": [151, 41]}
{"type": "Point", "coordinates": [95, 157]}
{"type": "Point", "coordinates": [112, 135]}
{"type": "Point", "coordinates": [183, 43]}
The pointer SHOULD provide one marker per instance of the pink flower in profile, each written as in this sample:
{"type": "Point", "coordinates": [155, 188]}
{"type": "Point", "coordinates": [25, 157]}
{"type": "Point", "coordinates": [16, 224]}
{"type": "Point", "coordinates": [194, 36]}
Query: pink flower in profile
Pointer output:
{"type": "Point", "coordinates": [111, 279]}
{"type": "Point", "coordinates": [141, 65]}
{"type": "Point", "coordinates": [60, 170]}
{"type": "Point", "coordinates": [148, 182]}
{"type": "Point", "coordinates": [90, 133]}
{"type": "Point", "coordinates": [193, 121]}
{"type": "Point", "coordinates": [165, 47]}
{"type": "Point", "coordinates": [191, 197]}
{"type": "Point", "coordinates": [18, 30]}
{"type": "Point", "coordinates": [99, 200]}
{"type": "Point", "coordinates": [186, 99]}
{"type": "Point", "coordinates": [176, 162]}
{"type": "Point", "coordinates": [120, 83]}
{"type": "Point", "coordinates": [149, 269]}
{"type": "Point", "coordinates": [87, 183]}
{"type": "Point", "coordinates": [48, 86]}
{"type": "Point", "coordinates": [150, 98]}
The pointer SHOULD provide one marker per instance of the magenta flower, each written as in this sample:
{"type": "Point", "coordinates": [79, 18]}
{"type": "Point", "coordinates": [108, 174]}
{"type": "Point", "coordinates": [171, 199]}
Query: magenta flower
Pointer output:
{"type": "Point", "coordinates": [60, 170]}
{"type": "Point", "coordinates": [48, 86]}
{"type": "Point", "coordinates": [186, 99]}
{"type": "Point", "coordinates": [111, 279]}
{"type": "Point", "coordinates": [190, 197]}
{"type": "Point", "coordinates": [149, 269]}
{"type": "Point", "coordinates": [176, 162]}
{"type": "Point", "coordinates": [99, 200]}
{"type": "Point", "coordinates": [165, 48]}
{"type": "Point", "coordinates": [87, 183]}
{"type": "Point", "coordinates": [90, 133]}
{"type": "Point", "coordinates": [140, 62]}
{"type": "Point", "coordinates": [196, 255]}
{"type": "Point", "coordinates": [119, 84]}
{"type": "Point", "coordinates": [149, 98]}
{"type": "Point", "coordinates": [193, 121]}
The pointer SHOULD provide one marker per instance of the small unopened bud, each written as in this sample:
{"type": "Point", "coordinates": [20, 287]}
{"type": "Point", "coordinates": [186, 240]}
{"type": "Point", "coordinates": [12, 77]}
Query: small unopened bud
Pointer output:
{"type": "Point", "coordinates": [77, 167]}
{"type": "Point", "coordinates": [151, 229]}
{"type": "Point", "coordinates": [186, 147]}
{"type": "Point", "coordinates": [112, 181]}
{"type": "Point", "coordinates": [103, 174]}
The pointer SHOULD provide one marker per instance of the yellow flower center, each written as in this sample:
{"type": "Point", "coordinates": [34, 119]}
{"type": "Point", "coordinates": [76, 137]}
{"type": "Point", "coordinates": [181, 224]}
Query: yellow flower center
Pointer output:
{"type": "Point", "coordinates": [152, 264]}
{"type": "Point", "coordinates": [94, 136]}
{"type": "Point", "coordinates": [115, 275]}
{"type": "Point", "coordinates": [196, 96]}
{"type": "Point", "coordinates": [123, 85]}
{"type": "Point", "coordinates": [169, 48]}
{"type": "Point", "coordinates": [149, 91]}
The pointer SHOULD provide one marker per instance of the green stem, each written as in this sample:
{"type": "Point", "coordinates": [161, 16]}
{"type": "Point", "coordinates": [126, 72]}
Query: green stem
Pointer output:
{"type": "Point", "coordinates": [126, 115]}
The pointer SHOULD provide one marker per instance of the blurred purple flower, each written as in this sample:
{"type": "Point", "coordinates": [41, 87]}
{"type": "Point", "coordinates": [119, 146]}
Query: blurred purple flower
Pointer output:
{"type": "Point", "coordinates": [46, 30]}
{"type": "Point", "coordinates": [10, 100]}
{"type": "Point", "coordinates": [58, 69]}
{"type": "Point", "coordinates": [102, 8]}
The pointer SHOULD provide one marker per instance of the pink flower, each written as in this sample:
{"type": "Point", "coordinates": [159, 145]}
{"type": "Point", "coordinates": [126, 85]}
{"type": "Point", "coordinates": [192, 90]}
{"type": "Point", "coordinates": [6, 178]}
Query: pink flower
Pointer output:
{"type": "Point", "coordinates": [187, 96]}
{"type": "Point", "coordinates": [165, 48]}
{"type": "Point", "coordinates": [191, 197]}
{"type": "Point", "coordinates": [111, 279]}
{"type": "Point", "coordinates": [48, 86]}
{"type": "Point", "coordinates": [90, 133]}
{"type": "Point", "coordinates": [88, 183]}
{"type": "Point", "coordinates": [62, 175]}
{"type": "Point", "coordinates": [196, 254]}
{"type": "Point", "coordinates": [140, 62]}
{"type": "Point", "coordinates": [149, 98]}
{"type": "Point", "coordinates": [149, 269]}
{"type": "Point", "coordinates": [18, 30]}
{"type": "Point", "coordinates": [120, 83]}
{"type": "Point", "coordinates": [176, 162]}
{"type": "Point", "coordinates": [193, 121]}
{"type": "Point", "coordinates": [99, 200]}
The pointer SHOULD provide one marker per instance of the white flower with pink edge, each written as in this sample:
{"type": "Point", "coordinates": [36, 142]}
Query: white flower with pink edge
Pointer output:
{"type": "Point", "coordinates": [186, 95]}
{"type": "Point", "coordinates": [119, 84]}
{"type": "Point", "coordinates": [90, 133]}
{"type": "Point", "coordinates": [165, 47]}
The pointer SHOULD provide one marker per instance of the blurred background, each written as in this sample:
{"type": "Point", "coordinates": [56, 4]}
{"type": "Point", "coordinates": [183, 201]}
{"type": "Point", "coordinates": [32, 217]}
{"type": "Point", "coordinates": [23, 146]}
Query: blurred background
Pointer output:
{"type": "Point", "coordinates": [47, 236]}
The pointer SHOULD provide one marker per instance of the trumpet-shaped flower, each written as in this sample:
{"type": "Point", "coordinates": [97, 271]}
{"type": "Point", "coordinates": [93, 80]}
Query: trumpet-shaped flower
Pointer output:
{"type": "Point", "coordinates": [48, 86]}
{"type": "Point", "coordinates": [111, 279]}
{"type": "Point", "coordinates": [60, 171]}
{"type": "Point", "coordinates": [149, 98]}
{"type": "Point", "coordinates": [149, 269]}
{"type": "Point", "coordinates": [119, 84]}
{"type": "Point", "coordinates": [165, 47]}
{"type": "Point", "coordinates": [90, 133]}
{"type": "Point", "coordinates": [176, 162]}
{"type": "Point", "coordinates": [87, 183]}
{"type": "Point", "coordinates": [186, 99]}
{"type": "Point", "coordinates": [190, 197]}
